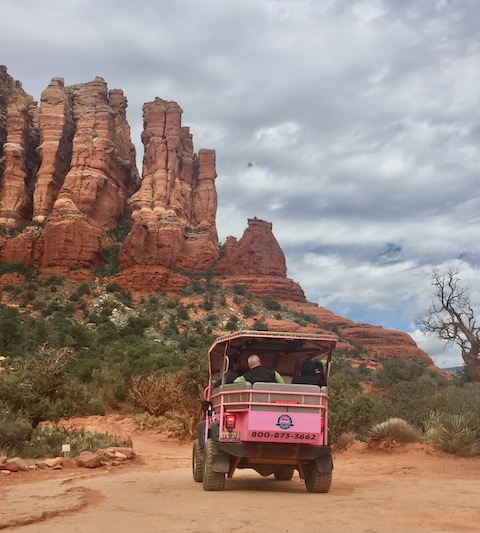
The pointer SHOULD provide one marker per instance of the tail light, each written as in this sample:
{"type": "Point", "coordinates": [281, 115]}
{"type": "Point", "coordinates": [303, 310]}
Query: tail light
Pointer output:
{"type": "Point", "coordinates": [230, 421]}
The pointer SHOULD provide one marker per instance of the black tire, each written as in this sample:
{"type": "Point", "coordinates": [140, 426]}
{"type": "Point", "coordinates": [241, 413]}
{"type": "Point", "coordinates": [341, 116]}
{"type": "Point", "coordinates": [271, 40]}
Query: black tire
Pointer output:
{"type": "Point", "coordinates": [285, 473]}
{"type": "Point", "coordinates": [316, 481]}
{"type": "Point", "coordinates": [211, 480]}
{"type": "Point", "coordinates": [197, 461]}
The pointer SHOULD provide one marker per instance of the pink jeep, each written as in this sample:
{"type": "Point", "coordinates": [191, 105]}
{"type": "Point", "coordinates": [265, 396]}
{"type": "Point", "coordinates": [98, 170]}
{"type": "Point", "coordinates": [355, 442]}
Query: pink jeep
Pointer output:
{"type": "Point", "coordinates": [271, 427]}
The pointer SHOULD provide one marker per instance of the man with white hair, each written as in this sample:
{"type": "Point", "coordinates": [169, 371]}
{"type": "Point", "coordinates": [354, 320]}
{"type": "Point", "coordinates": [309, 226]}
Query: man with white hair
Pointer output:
{"type": "Point", "coordinates": [258, 372]}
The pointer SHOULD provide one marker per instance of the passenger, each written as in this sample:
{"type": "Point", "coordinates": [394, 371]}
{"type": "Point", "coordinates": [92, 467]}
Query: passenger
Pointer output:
{"type": "Point", "coordinates": [311, 374]}
{"type": "Point", "coordinates": [258, 372]}
{"type": "Point", "coordinates": [232, 373]}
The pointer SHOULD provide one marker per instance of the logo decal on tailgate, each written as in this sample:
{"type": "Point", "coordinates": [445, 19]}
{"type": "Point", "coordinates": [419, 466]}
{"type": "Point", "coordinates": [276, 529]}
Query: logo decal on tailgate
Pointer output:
{"type": "Point", "coordinates": [284, 422]}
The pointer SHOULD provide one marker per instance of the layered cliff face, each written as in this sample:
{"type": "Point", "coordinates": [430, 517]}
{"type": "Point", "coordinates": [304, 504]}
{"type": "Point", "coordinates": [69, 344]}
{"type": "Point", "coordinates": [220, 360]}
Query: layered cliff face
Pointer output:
{"type": "Point", "coordinates": [68, 176]}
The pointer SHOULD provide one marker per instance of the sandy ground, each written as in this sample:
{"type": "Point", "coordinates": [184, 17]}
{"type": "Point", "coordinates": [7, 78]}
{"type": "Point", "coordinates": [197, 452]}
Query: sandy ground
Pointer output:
{"type": "Point", "coordinates": [407, 489]}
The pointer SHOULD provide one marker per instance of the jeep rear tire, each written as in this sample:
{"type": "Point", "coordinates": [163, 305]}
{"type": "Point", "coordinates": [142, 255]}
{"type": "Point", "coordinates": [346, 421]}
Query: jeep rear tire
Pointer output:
{"type": "Point", "coordinates": [285, 473]}
{"type": "Point", "coordinates": [211, 480]}
{"type": "Point", "coordinates": [197, 461]}
{"type": "Point", "coordinates": [316, 481]}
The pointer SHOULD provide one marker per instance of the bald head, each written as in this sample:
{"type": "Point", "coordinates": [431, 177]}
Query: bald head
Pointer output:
{"type": "Point", "coordinates": [254, 361]}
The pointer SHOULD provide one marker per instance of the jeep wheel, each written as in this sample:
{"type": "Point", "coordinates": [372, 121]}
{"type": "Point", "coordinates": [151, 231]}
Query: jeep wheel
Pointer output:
{"type": "Point", "coordinates": [316, 481]}
{"type": "Point", "coordinates": [197, 461]}
{"type": "Point", "coordinates": [285, 473]}
{"type": "Point", "coordinates": [211, 480]}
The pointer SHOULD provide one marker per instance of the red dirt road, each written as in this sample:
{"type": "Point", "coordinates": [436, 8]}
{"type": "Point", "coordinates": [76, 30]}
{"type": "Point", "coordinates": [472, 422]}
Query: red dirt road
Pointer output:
{"type": "Point", "coordinates": [408, 489]}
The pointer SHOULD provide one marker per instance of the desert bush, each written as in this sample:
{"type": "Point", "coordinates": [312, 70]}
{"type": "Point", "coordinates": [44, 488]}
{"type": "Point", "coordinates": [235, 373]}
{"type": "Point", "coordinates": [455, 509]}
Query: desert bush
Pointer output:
{"type": "Point", "coordinates": [391, 431]}
{"type": "Point", "coordinates": [156, 394]}
{"type": "Point", "coordinates": [258, 325]}
{"type": "Point", "coordinates": [178, 395]}
{"type": "Point", "coordinates": [239, 289]}
{"type": "Point", "coordinates": [271, 304]}
{"type": "Point", "coordinates": [459, 399]}
{"type": "Point", "coordinates": [164, 395]}
{"type": "Point", "coordinates": [397, 370]}
{"type": "Point", "coordinates": [248, 311]}
{"type": "Point", "coordinates": [39, 386]}
{"type": "Point", "coordinates": [182, 313]}
{"type": "Point", "coordinates": [343, 441]}
{"type": "Point", "coordinates": [351, 410]}
{"type": "Point", "coordinates": [14, 431]}
{"type": "Point", "coordinates": [409, 400]}
{"type": "Point", "coordinates": [11, 330]}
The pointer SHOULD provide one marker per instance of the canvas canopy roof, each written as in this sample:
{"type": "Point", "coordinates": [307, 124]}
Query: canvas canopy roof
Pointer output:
{"type": "Point", "coordinates": [283, 351]}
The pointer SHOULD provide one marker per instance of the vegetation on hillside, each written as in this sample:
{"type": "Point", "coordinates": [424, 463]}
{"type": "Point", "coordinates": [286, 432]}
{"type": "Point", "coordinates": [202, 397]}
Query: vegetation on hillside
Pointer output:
{"type": "Point", "coordinates": [88, 348]}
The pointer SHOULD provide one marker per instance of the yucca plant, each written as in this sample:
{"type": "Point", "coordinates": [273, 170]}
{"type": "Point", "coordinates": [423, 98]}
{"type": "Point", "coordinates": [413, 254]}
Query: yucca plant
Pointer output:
{"type": "Point", "coordinates": [460, 435]}
{"type": "Point", "coordinates": [391, 431]}
{"type": "Point", "coordinates": [432, 426]}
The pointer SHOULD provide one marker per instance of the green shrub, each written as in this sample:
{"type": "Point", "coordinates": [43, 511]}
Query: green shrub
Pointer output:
{"type": "Point", "coordinates": [411, 401]}
{"type": "Point", "coordinates": [18, 268]}
{"type": "Point", "coordinates": [14, 431]}
{"type": "Point", "coordinates": [258, 325]}
{"type": "Point", "coordinates": [396, 370]}
{"type": "Point", "coordinates": [53, 281]}
{"type": "Point", "coordinates": [231, 325]}
{"type": "Point", "coordinates": [239, 289]}
{"type": "Point", "coordinates": [271, 304]}
{"type": "Point", "coordinates": [182, 313]}
{"type": "Point", "coordinates": [248, 311]}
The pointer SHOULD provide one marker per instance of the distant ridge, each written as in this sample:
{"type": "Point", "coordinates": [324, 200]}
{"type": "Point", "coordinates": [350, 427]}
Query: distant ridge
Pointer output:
{"type": "Point", "coordinates": [453, 370]}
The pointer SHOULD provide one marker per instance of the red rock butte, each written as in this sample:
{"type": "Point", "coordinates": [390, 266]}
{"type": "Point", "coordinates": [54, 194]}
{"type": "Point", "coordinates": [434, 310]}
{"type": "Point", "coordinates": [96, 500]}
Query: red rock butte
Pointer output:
{"type": "Point", "coordinates": [68, 176]}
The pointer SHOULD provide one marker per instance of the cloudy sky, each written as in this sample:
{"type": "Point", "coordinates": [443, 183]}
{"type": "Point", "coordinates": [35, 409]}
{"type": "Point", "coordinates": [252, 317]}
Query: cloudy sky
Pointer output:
{"type": "Point", "coordinates": [351, 125]}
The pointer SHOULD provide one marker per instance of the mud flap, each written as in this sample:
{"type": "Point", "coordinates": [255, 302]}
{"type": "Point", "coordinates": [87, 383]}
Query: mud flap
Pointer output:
{"type": "Point", "coordinates": [220, 461]}
{"type": "Point", "coordinates": [201, 433]}
{"type": "Point", "coordinates": [324, 464]}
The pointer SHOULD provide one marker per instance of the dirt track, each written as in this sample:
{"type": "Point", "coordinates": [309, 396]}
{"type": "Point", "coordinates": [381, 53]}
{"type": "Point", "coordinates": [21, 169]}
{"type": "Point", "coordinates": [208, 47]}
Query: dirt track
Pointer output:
{"type": "Point", "coordinates": [403, 490]}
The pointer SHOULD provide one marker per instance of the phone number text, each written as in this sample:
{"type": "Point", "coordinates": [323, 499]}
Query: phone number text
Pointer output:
{"type": "Point", "coordinates": [282, 436]}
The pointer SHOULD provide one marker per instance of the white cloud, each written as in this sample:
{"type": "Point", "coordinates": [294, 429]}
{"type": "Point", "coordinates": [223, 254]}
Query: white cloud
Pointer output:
{"type": "Point", "coordinates": [444, 356]}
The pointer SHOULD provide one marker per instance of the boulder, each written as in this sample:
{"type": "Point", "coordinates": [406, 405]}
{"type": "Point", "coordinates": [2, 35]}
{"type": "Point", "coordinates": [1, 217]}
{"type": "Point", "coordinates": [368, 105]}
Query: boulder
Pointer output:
{"type": "Point", "coordinates": [89, 460]}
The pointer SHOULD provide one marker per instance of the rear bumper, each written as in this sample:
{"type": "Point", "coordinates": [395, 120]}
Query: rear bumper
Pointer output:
{"type": "Point", "coordinates": [268, 450]}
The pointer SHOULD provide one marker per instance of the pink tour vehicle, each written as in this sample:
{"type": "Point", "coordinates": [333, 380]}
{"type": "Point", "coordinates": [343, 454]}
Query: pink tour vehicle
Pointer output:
{"type": "Point", "coordinates": [272, 428]}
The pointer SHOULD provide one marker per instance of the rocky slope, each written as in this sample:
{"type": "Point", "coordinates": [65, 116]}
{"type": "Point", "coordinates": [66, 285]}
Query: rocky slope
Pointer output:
{"type": "Point", "coordinates": [68, 178]}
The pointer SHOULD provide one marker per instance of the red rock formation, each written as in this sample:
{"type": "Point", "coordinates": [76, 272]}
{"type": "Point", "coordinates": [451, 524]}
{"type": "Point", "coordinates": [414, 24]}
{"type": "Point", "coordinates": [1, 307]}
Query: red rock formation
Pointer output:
{"type": "Point", "coordinates": [87, 174]}
{"type": "Point", "coordinates": [19, 129]}
{"type": "Point", "coordinates": [56, 136]}
{"type": "Point", "coordinates": [257, 262]}
{"type": "Point", "coordinates": [102, 171]}
{"type": "Point", "coordinates": [257, 252]}
{"type": "Point", "coordinates": [173, 212]}
{"type": "Point", "coordinates": [379, 342]}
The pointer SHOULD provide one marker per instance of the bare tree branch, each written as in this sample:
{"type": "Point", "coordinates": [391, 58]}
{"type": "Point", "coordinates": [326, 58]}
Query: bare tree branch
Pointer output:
{"type": "Point", "coordinates": [451, 317]}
